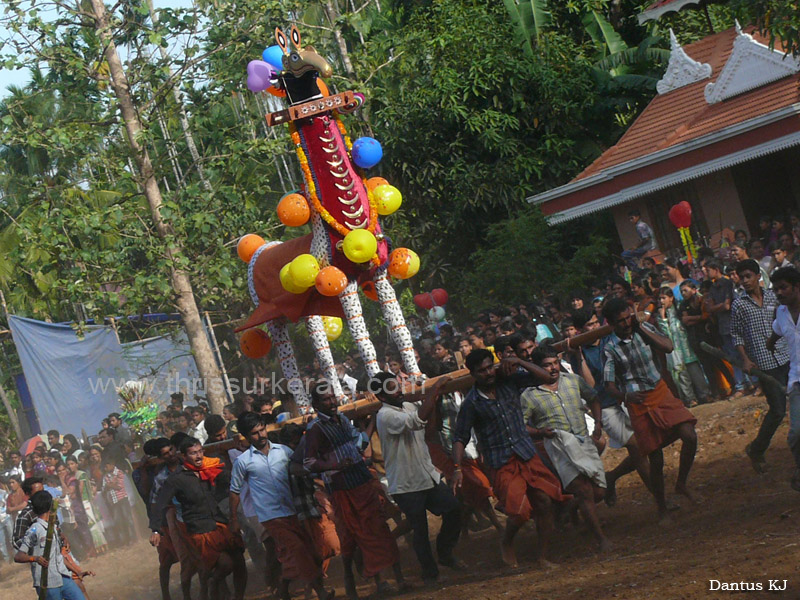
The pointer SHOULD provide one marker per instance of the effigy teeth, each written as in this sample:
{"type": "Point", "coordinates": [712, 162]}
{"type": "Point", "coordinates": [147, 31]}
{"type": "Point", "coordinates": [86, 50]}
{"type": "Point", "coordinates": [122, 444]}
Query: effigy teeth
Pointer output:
{"type": "Point", "coordinates": [344, 188]}
{"type": "Point", "coordinates": [357, 225]}
{"type": "Point", "coordinates": [336, 162]}
{"type": "Point", "coordinates": [339, 175]}
{"type": "Point", "coordinates": [355, 214]}
{"type": "Point", "coordinates": [328, 150]}
{"type": "Point", "coordinates": [347, 202]}
{"type": "Point", "coordinates": [326, 140]}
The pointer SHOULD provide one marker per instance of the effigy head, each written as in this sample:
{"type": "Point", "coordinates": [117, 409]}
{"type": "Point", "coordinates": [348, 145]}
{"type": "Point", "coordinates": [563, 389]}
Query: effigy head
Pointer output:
{"type": "Point", "coordinates": [302, 67]}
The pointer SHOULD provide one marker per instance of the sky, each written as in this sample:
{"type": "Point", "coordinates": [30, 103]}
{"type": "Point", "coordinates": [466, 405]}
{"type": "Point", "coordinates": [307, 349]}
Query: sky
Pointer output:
{"type": "Point", "coordinates": [20, 77]}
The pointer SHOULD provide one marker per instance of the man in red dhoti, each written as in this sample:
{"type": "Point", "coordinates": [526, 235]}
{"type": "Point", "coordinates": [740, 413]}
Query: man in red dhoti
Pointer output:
{"type": "Point", "coordinates": [333, 448]}
{"type": "Point", "coordinates": [522, 483]}
{"type": "Point", "coordinates": [657, 417]}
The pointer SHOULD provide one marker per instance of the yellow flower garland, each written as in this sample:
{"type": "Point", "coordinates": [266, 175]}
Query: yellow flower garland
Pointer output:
{"type": "Point", "coordinates": [312, 189]}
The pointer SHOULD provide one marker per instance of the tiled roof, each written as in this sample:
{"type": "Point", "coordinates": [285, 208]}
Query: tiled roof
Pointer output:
{"type": "Point", "coordinates": [683, 114]}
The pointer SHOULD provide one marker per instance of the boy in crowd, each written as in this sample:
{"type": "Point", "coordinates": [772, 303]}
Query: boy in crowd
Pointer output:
{"type": "Point", "coordinates": [60, 585]}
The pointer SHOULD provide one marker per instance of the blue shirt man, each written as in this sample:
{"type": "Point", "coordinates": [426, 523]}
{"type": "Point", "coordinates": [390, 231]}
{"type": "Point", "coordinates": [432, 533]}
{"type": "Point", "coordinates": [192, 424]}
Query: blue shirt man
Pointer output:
{"type": "Point", "coordinates": [267, 474]}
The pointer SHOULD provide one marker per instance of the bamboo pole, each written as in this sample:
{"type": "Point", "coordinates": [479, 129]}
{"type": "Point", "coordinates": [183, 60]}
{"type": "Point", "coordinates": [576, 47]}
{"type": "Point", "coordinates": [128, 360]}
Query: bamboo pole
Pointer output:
{"type": "Point", "coordinates": [48, 546]}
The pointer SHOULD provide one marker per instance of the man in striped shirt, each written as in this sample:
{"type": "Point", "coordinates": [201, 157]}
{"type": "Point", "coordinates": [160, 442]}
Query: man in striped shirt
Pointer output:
{"type": "Point", "coordinates": [657, 417]}
{"type": "Point", "coordinates": [331, 449]}
{"type": "Point", "coordinates": [752, 315]}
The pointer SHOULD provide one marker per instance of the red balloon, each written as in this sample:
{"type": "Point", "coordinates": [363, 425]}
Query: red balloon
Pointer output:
{"type": "Point", "coordinates": [440, 296]}
{"type": "Point", "coordinates": [424, 301]}
{"type": "Point", "coordinates": [681, 214]}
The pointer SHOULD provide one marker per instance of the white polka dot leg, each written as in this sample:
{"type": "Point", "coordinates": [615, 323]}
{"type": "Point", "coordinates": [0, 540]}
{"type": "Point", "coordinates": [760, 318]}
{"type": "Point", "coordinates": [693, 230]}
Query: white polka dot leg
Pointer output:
{"type": "Point", "coordinates": [358, 328]}
{"type": "Point", "coordinates": [316, 332]}
{"type": "Point", "coordinates": [397, 324]}
{"type": "Point", "coordinates": [280, 339]}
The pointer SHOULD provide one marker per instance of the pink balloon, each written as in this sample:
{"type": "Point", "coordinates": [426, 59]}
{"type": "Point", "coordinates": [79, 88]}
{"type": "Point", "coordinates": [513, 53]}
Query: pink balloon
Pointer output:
{"type": "Point", "coordinates": [259, 75]}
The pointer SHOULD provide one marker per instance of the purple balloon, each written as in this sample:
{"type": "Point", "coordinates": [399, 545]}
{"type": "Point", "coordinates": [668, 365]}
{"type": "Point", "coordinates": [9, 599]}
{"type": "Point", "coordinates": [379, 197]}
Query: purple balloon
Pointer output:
{"type": "Point", "coordinates": [259, 75]}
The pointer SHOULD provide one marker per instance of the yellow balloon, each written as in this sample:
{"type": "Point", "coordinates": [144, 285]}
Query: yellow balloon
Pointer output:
{"type": "Point", "coordinates": [389, 199]}
{"type": "Point", "coordinates": [333, 327]}
{"type": "Point", "coordinates": [359, 245]}
{"type": "Point", "coordinates": [304, 269]}
{"type": "Point", "coordinates": [287, 282]}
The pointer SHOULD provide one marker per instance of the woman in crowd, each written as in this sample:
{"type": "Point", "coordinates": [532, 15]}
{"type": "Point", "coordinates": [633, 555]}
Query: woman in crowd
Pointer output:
{"type": "Point", "coordinates": [87, 498]}
{"type": "Point", "coordinates": [71, 488]}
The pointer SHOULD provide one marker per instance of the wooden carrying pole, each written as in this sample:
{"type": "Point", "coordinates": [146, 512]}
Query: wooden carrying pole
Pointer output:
{"type": "Point", "coordinates": [459, 381]}
{"type": "Point", "coordinates": [48, 546]}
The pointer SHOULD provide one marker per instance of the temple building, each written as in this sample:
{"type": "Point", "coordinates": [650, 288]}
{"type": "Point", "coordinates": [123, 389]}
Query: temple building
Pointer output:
{"type": "Point", "coordinates": [723, 133]}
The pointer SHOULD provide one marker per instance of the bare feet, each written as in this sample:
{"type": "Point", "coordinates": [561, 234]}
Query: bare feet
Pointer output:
{"type": "Point", "coordinates": [694, 498]}
{"type": "Point", "coordinates": [547, 565]}
{"type": "Point", "coordinates": [758, 461]}
{"type": "Point", "coordinates": [508, 554]}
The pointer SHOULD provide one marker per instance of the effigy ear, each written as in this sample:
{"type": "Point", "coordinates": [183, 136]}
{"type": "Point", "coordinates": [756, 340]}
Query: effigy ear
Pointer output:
{"type": "Point", "coordinates": [295, 35]}
{"type": "Point", "coordinates": [283, 42]}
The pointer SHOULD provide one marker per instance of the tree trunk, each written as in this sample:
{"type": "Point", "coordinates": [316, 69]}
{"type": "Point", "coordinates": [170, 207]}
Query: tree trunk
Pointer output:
{"type": "Point", "coordinates": [12, 414]}
{"type": "Point", "coordinates": [333, 14]}
{"type": "Point", "coordinates": [181, 284]}
{"type": "Point", "coordinates": [182, 116]}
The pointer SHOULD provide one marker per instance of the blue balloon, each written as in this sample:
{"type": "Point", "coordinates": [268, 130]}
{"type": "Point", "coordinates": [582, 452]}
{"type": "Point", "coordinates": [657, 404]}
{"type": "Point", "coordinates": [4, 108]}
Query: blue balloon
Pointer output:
{"type": "Point", "coordinates": [366, 152]}
{"type": "Point", "coordinates": [274, 56]}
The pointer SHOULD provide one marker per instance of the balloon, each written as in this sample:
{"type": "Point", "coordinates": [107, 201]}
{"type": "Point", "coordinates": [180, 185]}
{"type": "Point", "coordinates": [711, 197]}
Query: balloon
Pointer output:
{"type": "Point", "coordinates": [274, 56]}
{"type": "Point", "coordinates": [303, 270]}
{"type": "Point", "coordinates": [293, 210]}
{"type": "Point", "coordinates": [389, 199]}
{"type": "Point", "coordinates": [436, 313]}
{"type": "Point", "coordinates": [287, 282]}
{"type": "Point", "coordinates": [403, 263]}
{"type": "Point", "coordinates": [247, 246]}
{"type": "Point", "coordinates": [259, 75]}
{"type": "Point", "coordinates": [332, 327]}
{"type": "Point", "coordinates": [368, 287]}
{"type": "Point", "coordinates": [681, 214]}
{"type": "Point", "coordinates": [359, 245]}
{"type": "Point", "coordinates": [366, 152]}
{"type": "Point", "coordinates": [255, 343]}
{"type": "Point", "coordinates": [424, 301]}
{"type": "Point", "coordinates": [440, 296]}
{"type": "Point", "coordinates": [330, 281]}
{"type": "Point", "coordinates": [374, 182]}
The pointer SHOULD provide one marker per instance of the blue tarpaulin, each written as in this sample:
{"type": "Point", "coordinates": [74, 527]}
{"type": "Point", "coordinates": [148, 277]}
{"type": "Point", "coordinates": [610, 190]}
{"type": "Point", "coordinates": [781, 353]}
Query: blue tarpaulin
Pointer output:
{"type": "Point", "coordinates": [73, 380]}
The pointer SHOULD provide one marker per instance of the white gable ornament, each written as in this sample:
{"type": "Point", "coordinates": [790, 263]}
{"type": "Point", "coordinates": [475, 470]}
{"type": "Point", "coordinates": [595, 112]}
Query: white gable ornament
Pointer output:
{"type": "Point", "coordinates": [682, 69]}
{"type": "Point", "coordinates": [750, 65]}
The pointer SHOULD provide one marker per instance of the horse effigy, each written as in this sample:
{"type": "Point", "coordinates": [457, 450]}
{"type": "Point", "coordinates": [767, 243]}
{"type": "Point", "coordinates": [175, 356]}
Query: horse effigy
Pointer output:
{"type": "Point", "coordinates": [316, 278]}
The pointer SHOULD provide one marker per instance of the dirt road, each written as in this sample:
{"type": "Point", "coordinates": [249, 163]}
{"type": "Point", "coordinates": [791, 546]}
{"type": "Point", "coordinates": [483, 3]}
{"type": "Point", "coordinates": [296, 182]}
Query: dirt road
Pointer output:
{"type": "Point", "coordinates": [747, 529]}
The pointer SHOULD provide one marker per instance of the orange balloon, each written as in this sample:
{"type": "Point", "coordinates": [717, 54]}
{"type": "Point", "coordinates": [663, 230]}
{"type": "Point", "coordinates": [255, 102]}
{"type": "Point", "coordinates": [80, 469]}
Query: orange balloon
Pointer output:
{"type": "Point", "coordinates": [374, 182]}
{"type": "Point", "coordinates": [323, 87]}
{"type": "Point", "coordinates": [368, 287]}
{"type": "Point", "coordinates": [293, 210]}
{"type": "Point", "coordinates": [247, 246]}
{"type": "Point", "coordinates": [330, 281]}
{"type": "Point", "coordinates": [255, 343]}
{"type": "Point", "coordinates": [403, 263]}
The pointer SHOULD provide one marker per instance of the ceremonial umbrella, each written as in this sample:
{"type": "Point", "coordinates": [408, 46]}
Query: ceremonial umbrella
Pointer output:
{"type": "Point", "coordinates": [29, 445]}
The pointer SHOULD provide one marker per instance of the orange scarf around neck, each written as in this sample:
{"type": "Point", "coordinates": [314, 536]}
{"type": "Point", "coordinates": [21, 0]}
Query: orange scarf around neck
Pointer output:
{"type": "Point", "coordinates": [209, 471]}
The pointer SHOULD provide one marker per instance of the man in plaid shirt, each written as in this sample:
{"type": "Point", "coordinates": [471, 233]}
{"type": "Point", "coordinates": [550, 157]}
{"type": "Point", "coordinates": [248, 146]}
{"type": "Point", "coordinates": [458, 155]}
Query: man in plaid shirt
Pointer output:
{"type": "Point", "coordinates": [752, 315]}
{"type": "Point", "coordinates": [657, 417]}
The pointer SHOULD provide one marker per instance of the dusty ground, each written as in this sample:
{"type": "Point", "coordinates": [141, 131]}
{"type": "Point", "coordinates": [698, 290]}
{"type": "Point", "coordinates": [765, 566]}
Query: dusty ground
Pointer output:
{"type": "Point", "coordinates": [745, 530]}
